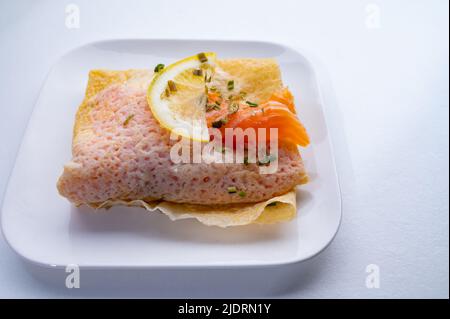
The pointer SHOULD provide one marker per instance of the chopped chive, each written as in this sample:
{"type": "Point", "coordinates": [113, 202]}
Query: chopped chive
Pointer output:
{"type": "Point", "coordinates": [272, 204]}
{"type": "Point", "coordinates": [202, 57]}
{"type": "Point", "coordinates": [219, 123]}
{"type": "Point", "coordinates": [217, 102]}
{"type": "Point", "coordinates": [210, 107]}
{"type": "Point", "coordinates": [159, 67]}
{"type": "Point", "coordinates": [213, 89]}
{"type": "Point", "coordinates": [242, 193]}
{"type": "Point", "coordinates": [242, 94]}
{"type": "Point", "coordinates": [232, 189]}
{"type": "Point", "coordinates": [172, 86]}
{"type": "Point", "coordinates": [233, 108]}
{"type": "Point", "coordinates": [128, 119]}
{"type": "Point", "coordinates": [230, 85]}
{"type": "Point", "coordinates": [251, 104]}
{"type": "Point", "coordinates": [267, 159]}
{"type": "Point", "coordinates": [197, 72]}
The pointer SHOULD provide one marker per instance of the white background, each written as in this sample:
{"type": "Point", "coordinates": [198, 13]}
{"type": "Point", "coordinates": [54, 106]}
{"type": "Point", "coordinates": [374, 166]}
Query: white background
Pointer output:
{"type": "Point", "coordinates": [387, 105]}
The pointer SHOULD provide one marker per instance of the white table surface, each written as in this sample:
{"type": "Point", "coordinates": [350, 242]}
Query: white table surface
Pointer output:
{"type": "Point", "coordinates": [387, 103]}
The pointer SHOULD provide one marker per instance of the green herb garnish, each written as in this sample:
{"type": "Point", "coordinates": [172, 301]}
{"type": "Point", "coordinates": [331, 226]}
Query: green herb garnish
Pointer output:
{"type": "Point", "coordinates": [202, 57]}
{"type": "Point", "coordinates": [230, 85]}
{"type": "Point", "coordinates": [251, 104]}
{"type": "Point", "coordinates": [232, 190]}
{"type": "Point", "coordinates": [267, 159]}
{"type": "Point", "coordinates": [219, 123]}
{"type": "Point", "coordinates": [210, 107]}
{"type": "Point", "coordinates": [128, 119]}
{"type": "Point", "coordinates": [197, 72]}
{"type": "Point", "coordinates": [159, 67]}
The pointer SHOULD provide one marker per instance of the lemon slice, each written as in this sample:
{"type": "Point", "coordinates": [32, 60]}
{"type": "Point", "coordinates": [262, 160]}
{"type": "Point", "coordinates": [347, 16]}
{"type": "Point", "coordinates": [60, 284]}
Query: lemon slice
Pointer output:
{"type": "Point", "coordinates": [177, 96]}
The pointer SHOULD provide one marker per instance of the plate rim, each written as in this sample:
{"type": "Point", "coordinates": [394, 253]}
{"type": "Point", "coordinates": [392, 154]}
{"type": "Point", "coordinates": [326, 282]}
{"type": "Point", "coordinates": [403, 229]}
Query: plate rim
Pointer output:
{"type": "Point", "coordinates": [248, 264]}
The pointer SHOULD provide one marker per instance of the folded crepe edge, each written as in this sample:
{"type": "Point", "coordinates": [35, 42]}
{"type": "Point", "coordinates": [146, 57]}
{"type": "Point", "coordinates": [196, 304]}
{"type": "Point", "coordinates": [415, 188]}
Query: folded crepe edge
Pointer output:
{"type": "Point", "coordinates": [218, 215]}
{"type": "Point", "coordinates": [274, 210]}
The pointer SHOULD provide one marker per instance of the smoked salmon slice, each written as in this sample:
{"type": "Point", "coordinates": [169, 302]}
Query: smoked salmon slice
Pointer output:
{"type": "Point", "coordinates": [277, 112]}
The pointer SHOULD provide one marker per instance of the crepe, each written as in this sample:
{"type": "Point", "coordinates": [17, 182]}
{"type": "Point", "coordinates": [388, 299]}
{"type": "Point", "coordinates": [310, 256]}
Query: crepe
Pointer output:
{"type": "Point", "coordinates": [79, 180]}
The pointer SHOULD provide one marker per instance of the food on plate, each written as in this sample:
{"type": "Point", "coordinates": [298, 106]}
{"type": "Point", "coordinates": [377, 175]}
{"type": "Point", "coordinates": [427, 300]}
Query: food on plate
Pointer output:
{"type": "Point", "coordinates": [122, 148]}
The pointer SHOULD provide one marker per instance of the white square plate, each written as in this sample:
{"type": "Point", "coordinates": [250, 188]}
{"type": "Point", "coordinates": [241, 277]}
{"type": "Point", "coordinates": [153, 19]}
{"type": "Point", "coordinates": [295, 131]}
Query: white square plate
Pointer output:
{"type": "Point", "coordinates": [45, 228]}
